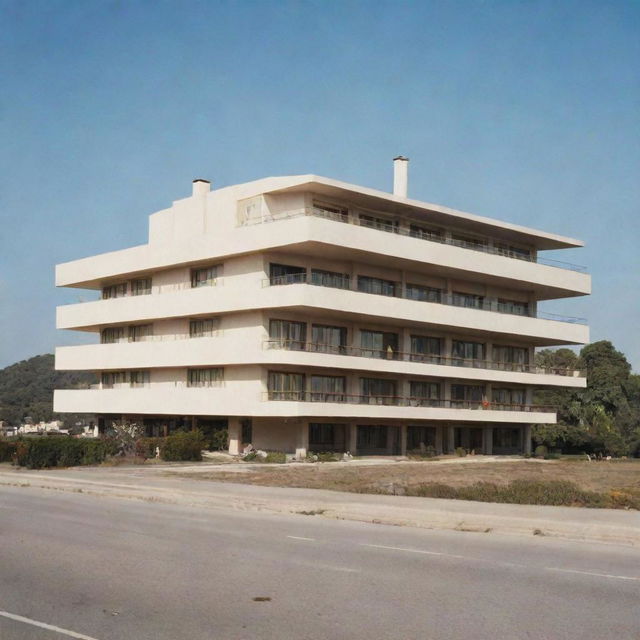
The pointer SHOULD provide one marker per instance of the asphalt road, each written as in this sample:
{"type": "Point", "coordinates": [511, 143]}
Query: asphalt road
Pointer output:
{"type": "Point", "coordinates": [104, 568]}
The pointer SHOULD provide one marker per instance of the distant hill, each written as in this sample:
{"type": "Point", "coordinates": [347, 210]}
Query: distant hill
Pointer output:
{"type": "Point", "coordinates": [26, 388]}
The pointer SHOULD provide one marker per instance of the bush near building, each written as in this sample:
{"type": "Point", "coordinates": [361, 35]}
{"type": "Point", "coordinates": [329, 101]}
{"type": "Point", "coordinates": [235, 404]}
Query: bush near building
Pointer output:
{"type": "Point", "coordinates": [61, 451]}
{"type": "Point", "coordinates": [187, 445]}
{"type": "Point", "coordinates": [7, 450]}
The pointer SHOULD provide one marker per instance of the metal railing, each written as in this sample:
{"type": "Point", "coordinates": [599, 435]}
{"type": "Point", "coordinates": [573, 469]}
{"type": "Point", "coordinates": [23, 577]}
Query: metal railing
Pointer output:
{"type": "Point", "coordinates": [400, 401]}
{"type": "Point", "coordinates": [453, 299]}
{"type": "Point", "coordinates": [481, 245]}
{"type": "Point", "coordinates": [426, 358]}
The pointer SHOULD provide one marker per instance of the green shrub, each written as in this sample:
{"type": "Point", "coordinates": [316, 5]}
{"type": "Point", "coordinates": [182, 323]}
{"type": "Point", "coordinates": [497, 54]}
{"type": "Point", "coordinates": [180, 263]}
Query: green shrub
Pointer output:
{"type": "Point", "coordinates": [323, 456]}
{"type": "Point", "coordinates": [61, 451]}
{"type": "Point", "coordinates": [219, 440]}
{"type": "Point", "coordinates": [250, 457]}
{"type": "Point", "coordinates": [186, 445]}
{"type": "Point", "coordinates": [146, 447]}
{"type": "Point", "coordinates": [461, 451]}
{"type": "Point", "coordinates": [540, 451]}
{"type": "Point", "coordinates": [274, 457]}
{"type": "Point", "coordinates": [8, 450]}
{"type": "Point", "coordinates": [426, 452]}
{"type": "Point", "coordinates": [552, 456]}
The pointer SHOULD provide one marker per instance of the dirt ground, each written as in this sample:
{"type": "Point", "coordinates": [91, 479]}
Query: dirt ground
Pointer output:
{"type": "Point", "coordinates": [592, 476]}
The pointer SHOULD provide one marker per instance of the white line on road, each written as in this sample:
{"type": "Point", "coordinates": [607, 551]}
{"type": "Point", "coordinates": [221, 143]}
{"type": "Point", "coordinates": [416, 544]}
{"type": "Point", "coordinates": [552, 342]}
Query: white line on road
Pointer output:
{"type": "Point", "coordinates": [44, 625]}
{"type": "Point", "coordinates": [427, 553]}
{"type": "Point", "coordinates": [301, 538]}
{"type": "Point", "coordinates": [591, 573]}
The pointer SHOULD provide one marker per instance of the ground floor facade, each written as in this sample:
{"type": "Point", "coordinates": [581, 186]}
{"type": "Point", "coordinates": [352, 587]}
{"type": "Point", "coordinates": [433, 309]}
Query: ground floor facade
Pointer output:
{"type": "Point", "coordinates": [301, 436]}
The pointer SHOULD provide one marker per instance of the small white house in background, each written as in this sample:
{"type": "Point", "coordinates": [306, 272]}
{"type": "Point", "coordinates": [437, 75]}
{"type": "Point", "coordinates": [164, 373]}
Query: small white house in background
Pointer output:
{"type": "Point", "coordinates": [55, 426]}
{"type": "Point", "coordinates": [305, 313]}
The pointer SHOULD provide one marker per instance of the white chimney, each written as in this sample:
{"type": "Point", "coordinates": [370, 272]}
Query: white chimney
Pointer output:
{"type": "Point", "coordinates": [201, 187]}
{"type": "Point", "coordinates": [400, 176]}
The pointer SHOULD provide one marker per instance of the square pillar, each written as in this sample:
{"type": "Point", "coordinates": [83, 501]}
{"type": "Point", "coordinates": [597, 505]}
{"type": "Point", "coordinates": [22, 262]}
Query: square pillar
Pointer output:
{"type": "Point", "coordinates": [439, 435]}
{"type": "Point", "coordinates": [526, 439]}
{"type": "Point", "coordinates": [488, 440]}
{"type": "Point", "coordinates": [234, 428]}
{"type": "Point", "coordinates": [403, 439]}
{"type": "Point", "coordinates": [302, 440]}
{"type": "Point", "coordinates": [451, 440]}
{"type": "Point", "coordinates": [352, 438]}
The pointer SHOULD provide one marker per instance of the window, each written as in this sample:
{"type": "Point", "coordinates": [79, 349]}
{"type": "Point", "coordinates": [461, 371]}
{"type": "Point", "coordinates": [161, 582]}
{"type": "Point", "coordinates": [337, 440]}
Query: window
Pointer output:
{"type": "Point", "coordinates": [114, 291]}
{"type": "Point", "coordinates": [330, 211]}
{"type": "Point", "coordinates": [425, 294]}
{"type": "Point", "coordinates": [510, 251]}
{"type": "Point", "coordinates": [139, 378]}
{"type": "Point", "coordinates": [426, 349]}
{"type": "Point", "coordinates": [506, 439]}
{"type": "Point", "coordinates": [330, 279]}
{"type": "Point", "coordinates": [468, 300]}
{"type": "Point", "coordinates": [424, 394]}
{"type": "Point", "coordinates": [378, 286]}
{"type": "Point", "coordinates": [328, 339]}
{"type": "Point", "coordinates": [141, 287]}
{"type": "Point", "coordinates": [467, 354]}
{"type": "Point", "coordinates": [468, 242]}
{"type": "Point", "coordinates": [140, 332]}
{"type": "Point", "coordinates": [286, 386]}
{"type": "Point", "coordinates": [376, 222]}
{"type": "Point", "coordinates": [111, 379]}
{"type": "Point", "coordinates": [371, 437]}
{"type": "Point", "coordinates": [205, 377]}
{"type": "Point", "coordinates": [509, 398]}
{"type": "Point", "coordinates": [516, 307]}
{"type": "Point", "coordinates": [510, 358]}
{"type": "Point", "coordinates": [379, 344]}
{"type": "Point", "coordinates": [111, 335]}
{"type": "Point", "coordinates": [328, 388]}
{"type": "Point", "coordinates": [326, 436]}
{"type": "Point", "coordinates": [378, 391]}
{"type": "Point", "coordinates": [426, 233]}
{"type": "Point", "coordinates": [205, 327]}
{"type": "Point", "coordinates": [288, 334]}
{"type": "Point", "coordinates": [466, 395]}
{"type": "Point", "coordinates": [286, 274]}
{"type": "Point", "coordinates": [205, 276]}
{"type": "Point", "coordinates": [420, 437]}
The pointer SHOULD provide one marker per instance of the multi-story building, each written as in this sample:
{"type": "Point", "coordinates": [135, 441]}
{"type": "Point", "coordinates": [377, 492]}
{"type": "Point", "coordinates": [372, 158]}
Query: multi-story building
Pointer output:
{"type": "Point", "coordinates": [305, 313]}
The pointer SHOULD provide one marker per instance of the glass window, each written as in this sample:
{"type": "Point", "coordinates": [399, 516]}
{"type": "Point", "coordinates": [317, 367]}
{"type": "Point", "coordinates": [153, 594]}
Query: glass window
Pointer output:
{"type": "Point", "coordinates": [371, 437]}
{"type": "Point", "coordinates": [510, 251]}
{"type": "Point", "coordinates": [328, 339]}
{"type": "Point", "coordinates": [326, 436]}
{"type": "Point", "coordinates": [204, 276]}
{"type": "Point", "coordinates": [424, 393]}
{"type": "Point", "coordinates": [140, 332]}
{"type": "Point", "coordinates": [328, 388]}
{"type": "Point", "coordinates": [468, 242]}
{"type": "Point", "coordinates": [112, 378]}
{"type": "Point", "coordinates": [330, 211]}
{"type": "Point", "coordinates": [513, 306]}
{"type": "Point", "coordinates": [469, 300]}
{"type": "Point", "coordinates": [378, 391]}
{"type": "Point", "coordinates": [141, 287]}
{"type": "Point", "coordinates": [205, 377]}
{"type": "Point", "coordinates": [506, 439]}
{"type": "Point", "coordinates": [286, 386]}
{"type": "Point", "coordinates": [286, 274]}
{"type": "Point", "coordinates": [425, 294]}
{"type": "Point", "coordinates": [510, 358]}
{"type": "Point", "coordinates": [379, 344]}
{"type": "Point", "coordinates": [467, 354]}
{"type": "Point", "coordinates": [114, 291]}
{"type": "Point", "coordinates": [377, 222]}
{"type": "Point", "coordinates": [378, 286]}
{"type": "Point", "coordinates": [426, 233]}
{"type": "Point", "coordinates": [111, 335]}
{"type": "Point", "coordinates": [426, 349]}
{"type": "Point", "coordinates": [466, 395]}
{"type": "Point", "coordinates": [508, 398]}
{"type": "Point", "coordinates": [139, 378]}
{"type": "Point", "coordinates": [288, 334]}
{"type": "Point", "coordinates": [204, 327]}
{"type": "Point", "coordinates": [420, 437]}
{"type": "Point", "coordinates": [330, 279]}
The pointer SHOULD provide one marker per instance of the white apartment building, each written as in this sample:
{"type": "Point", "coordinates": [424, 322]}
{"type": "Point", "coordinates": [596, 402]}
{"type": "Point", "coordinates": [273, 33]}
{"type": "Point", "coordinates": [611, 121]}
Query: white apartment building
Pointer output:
{"type": "Point", "coordinates": [308, 314]}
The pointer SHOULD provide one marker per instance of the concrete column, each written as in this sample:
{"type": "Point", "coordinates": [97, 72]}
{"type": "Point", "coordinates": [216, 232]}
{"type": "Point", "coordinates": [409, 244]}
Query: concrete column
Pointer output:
{"type": "Point", "coordinates": [450, 440]}
{"type": "Point", "coordinates": [439, 434]}
{"type": "Point", "coordinates": [526, 436]}
{"type": "Point", "coordinates": [352, 438]}
{"type": "Point", "coordinates": [302, 439]}
{"type": "Point", "coordinates": [488, 440]}
{"type": "Point", "coordinates": [235, 436]}
{"type": "Point", "coordinates": [403, 440]}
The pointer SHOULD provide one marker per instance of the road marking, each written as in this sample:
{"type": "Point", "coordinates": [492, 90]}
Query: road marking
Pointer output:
{"type": "Point", "coordinates": [591, 573]}
{"type": "Point", "coordinates": [44, 625]}
{"type": "Point", "coordinates": [427, 553]}
{"type": "Point", "coordinates": [301, 538]}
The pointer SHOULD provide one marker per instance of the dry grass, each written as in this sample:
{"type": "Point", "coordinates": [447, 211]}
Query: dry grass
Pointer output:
{"type": "Point", "coordinates": [397, 477]}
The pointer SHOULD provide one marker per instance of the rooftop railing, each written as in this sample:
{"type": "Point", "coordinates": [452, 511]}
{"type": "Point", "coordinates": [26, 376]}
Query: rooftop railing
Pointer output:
{"type": "Point", "coordinates": [427, 358]}
{"type": "Point", "coordinates": [401, 401]}
{"type": "Point", "coordinates": [430, 236]}
{"type": "Point", "coordinates": [398, 291]}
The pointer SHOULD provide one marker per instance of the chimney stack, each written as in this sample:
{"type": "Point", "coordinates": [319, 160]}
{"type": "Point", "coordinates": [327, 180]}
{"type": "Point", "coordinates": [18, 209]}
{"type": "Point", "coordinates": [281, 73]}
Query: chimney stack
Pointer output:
{"type": "Point", "coordinates": [201, 187]}
{"type": "Point", "coordinates": [400, 176]}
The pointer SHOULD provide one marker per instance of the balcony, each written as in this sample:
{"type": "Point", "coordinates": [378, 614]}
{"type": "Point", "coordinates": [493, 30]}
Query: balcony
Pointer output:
{"type": "Point", "coordinates": [361, 352]}
{"type": "Point", "coordinates": [492, 246]}
{"type": "Point", "coordinates": [453, 300]}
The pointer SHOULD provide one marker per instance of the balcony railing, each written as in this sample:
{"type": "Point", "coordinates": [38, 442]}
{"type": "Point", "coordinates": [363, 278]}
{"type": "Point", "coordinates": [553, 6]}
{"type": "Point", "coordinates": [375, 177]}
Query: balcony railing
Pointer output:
{"type": "Point", "coordinates": [354, 219]}
{"type": "Point", "coordinates": [401, 401]}
{"type": "Point", "coordinates": [454, 300]}
{"type": "Point", "coordinates": [427, 358]}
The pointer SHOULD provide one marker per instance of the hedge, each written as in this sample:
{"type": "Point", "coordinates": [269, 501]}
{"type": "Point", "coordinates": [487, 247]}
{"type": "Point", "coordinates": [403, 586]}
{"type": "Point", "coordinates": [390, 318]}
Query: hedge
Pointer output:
{"type": "Point", "coordinates": [7, 450]}
{"type": "Point", "coordinates": [61, 451]}
{"type": "Point", "coordinates": [183, 445]}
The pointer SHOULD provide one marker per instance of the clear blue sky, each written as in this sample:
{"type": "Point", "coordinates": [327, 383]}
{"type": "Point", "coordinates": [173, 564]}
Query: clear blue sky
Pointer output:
{"type": "Point", "coordinates": [524, 111]}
